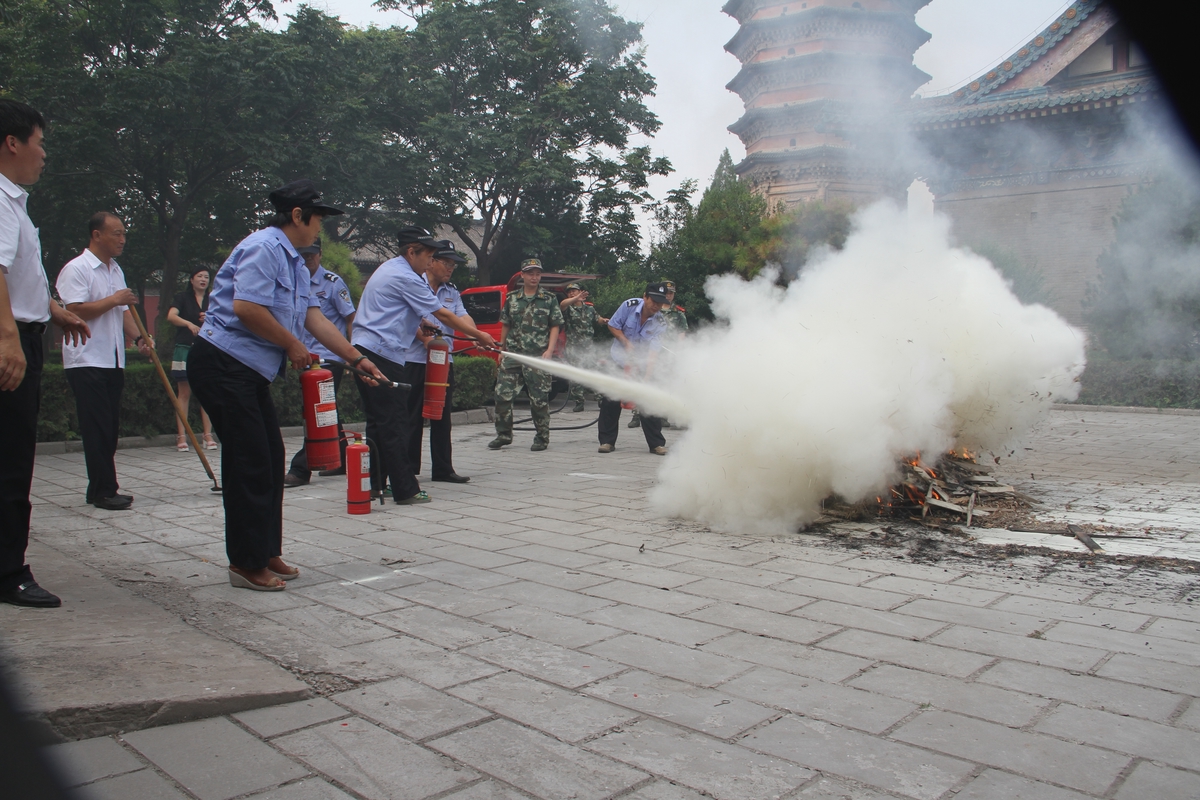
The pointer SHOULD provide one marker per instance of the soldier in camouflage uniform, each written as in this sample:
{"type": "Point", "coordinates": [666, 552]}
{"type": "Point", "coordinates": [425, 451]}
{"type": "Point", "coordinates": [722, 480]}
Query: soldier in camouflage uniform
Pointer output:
{"type": "Point", "coordinates": [530, 323]}
{"type": "Point", "coordinates": [581, 319]}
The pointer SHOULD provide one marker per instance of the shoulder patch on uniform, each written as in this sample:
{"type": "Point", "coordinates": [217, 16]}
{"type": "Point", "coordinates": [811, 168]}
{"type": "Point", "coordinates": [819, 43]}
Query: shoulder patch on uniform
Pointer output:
{"type": "Point", "coordinates": [344, 293]}
{"type": "Point", "coordinates": [631, 302]}
{"type": "Point", "coordinates": [333, 276]}
{"type": "Point", "coordinates": [452, 286]}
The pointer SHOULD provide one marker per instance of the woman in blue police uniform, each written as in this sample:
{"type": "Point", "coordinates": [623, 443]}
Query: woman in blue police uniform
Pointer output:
{"type": "Point", "coordinates": [258, 309]}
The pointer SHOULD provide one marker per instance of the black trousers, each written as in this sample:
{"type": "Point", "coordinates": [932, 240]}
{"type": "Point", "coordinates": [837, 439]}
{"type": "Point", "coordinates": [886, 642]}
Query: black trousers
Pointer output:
{"type": "Point", "coordinates": [98, 405]}
{"type": "Point", "coordinates": [387, 430]}
{"type": "Point", "coordinates": [238, 401]}
{"type": "Point", "coordinates": [300, 460]}
{"type": "Point", "coordinates": [18, 442]}
{"type": "Point", "coordinates": [610, 419]}
{"type": "Point", "coordinates": [440, 447]}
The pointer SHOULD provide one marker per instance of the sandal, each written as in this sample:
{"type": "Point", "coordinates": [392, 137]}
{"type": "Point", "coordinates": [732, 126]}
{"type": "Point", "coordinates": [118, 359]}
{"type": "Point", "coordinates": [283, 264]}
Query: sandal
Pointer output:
{"type": "Point", "coordinates": [240, 581]}
{"type": "Point", "coordinates": [287, 573]}
{"type": "Point", "coordinates": [181, 443]}
{"type": "Point", "coordinates": [209, 442]}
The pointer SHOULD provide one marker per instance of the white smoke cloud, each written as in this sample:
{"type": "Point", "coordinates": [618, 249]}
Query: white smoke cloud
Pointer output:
{"type": "Point", "coordinates": [895, 345]}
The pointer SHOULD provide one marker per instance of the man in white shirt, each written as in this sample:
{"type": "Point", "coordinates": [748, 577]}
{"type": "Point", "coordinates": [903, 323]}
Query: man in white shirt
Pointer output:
{"type": "Point", "coordinates": [93, 287]}
{"type": "Point", "coordinates": [25, 309]}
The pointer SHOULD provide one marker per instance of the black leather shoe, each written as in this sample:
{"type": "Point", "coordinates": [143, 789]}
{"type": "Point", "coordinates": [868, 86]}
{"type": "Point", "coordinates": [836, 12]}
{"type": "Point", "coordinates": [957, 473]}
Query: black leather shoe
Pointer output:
{"type": "Point", "coordinates": [292, 480]}
{"type": "Point", "coordinates": [30, 594]}
{"type": "Point", "coordinates": [331, 473]}
{"type": "Point", "coordinates": [116, 503]}
{"type": "Point", "coordinates": [451, 478]}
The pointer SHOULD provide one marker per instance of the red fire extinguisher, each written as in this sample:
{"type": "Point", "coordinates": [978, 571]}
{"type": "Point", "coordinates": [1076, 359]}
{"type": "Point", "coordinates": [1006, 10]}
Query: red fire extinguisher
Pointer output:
{"type": "Point", "coordinates": [437, 378]}
{"type": "Point", "coordinates": [358, 477]}
{"type": "Point", "coordinates": [321, 446]}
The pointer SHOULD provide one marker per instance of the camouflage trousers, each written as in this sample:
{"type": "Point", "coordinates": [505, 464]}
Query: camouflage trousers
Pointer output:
{"type": "Point", "coordinates": [511, 378]}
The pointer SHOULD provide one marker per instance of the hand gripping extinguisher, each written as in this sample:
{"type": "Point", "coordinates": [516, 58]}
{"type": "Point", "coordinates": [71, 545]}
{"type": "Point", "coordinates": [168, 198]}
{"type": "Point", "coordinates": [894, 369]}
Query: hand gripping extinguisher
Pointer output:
{"type": "Point", "coordinates": [358, 477]}
{"type": "Point", "coordinates": [321, 445]}
{"type": "Point", "coordinates": [437, 378]}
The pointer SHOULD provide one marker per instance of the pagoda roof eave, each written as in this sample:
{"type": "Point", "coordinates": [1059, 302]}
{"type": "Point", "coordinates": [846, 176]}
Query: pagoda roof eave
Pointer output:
{"type": "Point", "coordinates": [930, 112]}
{"type": "Point", "coordinates": [917, 35]}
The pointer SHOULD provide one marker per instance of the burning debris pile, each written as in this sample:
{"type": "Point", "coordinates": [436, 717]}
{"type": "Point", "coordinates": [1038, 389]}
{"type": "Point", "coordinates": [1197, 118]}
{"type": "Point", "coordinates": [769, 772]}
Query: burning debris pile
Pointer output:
{"type": "Point", "coordinates": [957, 490]}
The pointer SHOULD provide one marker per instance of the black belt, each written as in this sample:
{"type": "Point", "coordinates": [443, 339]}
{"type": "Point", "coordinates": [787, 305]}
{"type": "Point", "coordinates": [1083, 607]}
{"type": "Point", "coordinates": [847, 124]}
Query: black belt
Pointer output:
{"type": "Point", "coordinates": [36, 328]}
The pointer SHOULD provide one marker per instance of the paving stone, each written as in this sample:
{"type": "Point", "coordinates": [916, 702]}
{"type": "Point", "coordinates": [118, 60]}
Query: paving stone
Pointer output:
{"type": "Point", "coordinates": [811, 662]}
{"type": "Point", "coordinates": [437, 627]}
{"type": "Point", "coordinates": [308, 789]}
{"type": "Point", "coordinates": [1153, 781]}
{"type": "Point", "coordinates": [720, 769]}
{"type": "Point", "coordinates": [637, 594]}
{"type": "Point", "coordinates": [559, 712]}
{"type": "Point", "coordinates": [549, 662]}
{"type": "Point", "coordinates": [1152, 672]}
{"type": "Point", "coordinates": [728, 553]}
{"type": "Point", "coordinates": [750, 576]}
{"type": "Point", "coordinates": [460, 575]}
{"type": "Point", "coordinates": [451, 599]}
{"type": "Point", "coordinates": [1020, 648]}
{"type": "Point", "coordinates": [764, 623]}
{"type": "Point", "coordinates": [1184, 630]}
{"type": "Point", "coordinates": [549, 597]}
{"type": "Point", "coordinates": [986, 618]}
{"type": "Point", "coordinates": [651, 556]}
{"type": "Point", "coordinates": [950, 694]}
{"type": "Point", "coordinates": [373, 762]}
{"type": "Point", "coordinates": [356, 599]}
{"type": "Point", "coordinates": [706, 710]}
{"type": "Point", "coordinates": [963, 595]}
{"type": "Point", "coordinates": [1082, 690]}
{"type": "Point", "coordinates": [91, 759]}
{"type": "Point", "coordinates": [662, 790]}
{"type": "Point", "coordinates": [741, 594]}
{"type": "Point", "coordinates": [551, 575]}
{"type": "Point", "coordinates": [825, 788]}
{"type": "Point", "coordinates": [869, 619]}
{"type": "Point", "coordinates": [427, 663]}
{"type": "Point", "coordinates": [673, 661]}
{"type": "Point", "coordinates": [656, 577]}
{"type": "Point", "coordinates": [373, 575]}
{"type": "Point", "coordinates": [406, 706]}
{"type": "Point", "coordinates": [842, 593]}
{"type": "Point", "coordinates": [907, 569]}
{"type": "Point", "coordinates": [274, 720]}
{"type": "Point", "coordinates": [329, 626]}
{"type": "Point", "coordinates": [487, 790]}
{"type": "Point", "coordinates": [1072, 612]}
{"type": "Point", "coordinates": [656, 625]}
{"type": "Point", "coordinates": [144, 785]}
{"type": "Point", "coordinates": [809, 697]}
{"type": "Point", "coordinates": [1137, 643]}
{"type": "Point", "coordinates": [826, 572]}
{"type": "Point", "coordinates": [473, 556]}
{"type": "Point", "coordinates": [537, 764]}
{"type": "Point", "coordinates": [1152, 740]}
{"type": "Point", "coordinates": [1029, 754]}
{"type": "Point", "coordinates": [214, 759]}
{"type": "Point", "coordinates": [876, 762]}
{"type": "Point", "coordinates": [992, 785]}
{"type": "Point", "coordinates": [918, 655]}
{"type": "Point", "coordinates": [546, 626]}
{"type": "Point", "coordinates": [1027, 588]}
{"type": "Point", "coordinates": [568, 559]}
{"type": "Point", "coordinates": [1191, 717]}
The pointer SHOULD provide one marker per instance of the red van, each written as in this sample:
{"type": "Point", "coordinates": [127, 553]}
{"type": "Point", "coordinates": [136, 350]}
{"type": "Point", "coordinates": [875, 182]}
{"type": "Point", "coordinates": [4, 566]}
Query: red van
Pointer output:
{"type": "Point", "coordinates": [483, 303]}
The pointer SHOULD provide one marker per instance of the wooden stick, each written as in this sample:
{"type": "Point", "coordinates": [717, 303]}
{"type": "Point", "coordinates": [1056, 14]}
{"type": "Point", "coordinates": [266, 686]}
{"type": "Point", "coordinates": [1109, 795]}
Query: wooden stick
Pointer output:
{"type": "Point", "coordinates": [179, 411]}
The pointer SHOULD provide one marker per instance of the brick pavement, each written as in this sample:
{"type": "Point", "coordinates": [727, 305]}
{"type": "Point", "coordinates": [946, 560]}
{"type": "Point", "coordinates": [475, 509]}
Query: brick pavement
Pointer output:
{"type": "Point", "coordinates": [513, 639]}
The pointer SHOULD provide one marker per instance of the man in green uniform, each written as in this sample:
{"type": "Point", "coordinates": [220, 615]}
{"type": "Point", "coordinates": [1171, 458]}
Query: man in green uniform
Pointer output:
{"type": "Point", "coordinates": [529, 324]}
{"type": "Point", "coordinates": [581, 318]}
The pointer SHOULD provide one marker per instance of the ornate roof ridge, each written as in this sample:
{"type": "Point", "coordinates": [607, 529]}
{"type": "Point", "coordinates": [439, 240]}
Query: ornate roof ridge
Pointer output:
{"type": "Point", "coordinates": [820, 14]}
{"type": "Point", "coordinates": [1026, 56]}
{"type": "Point", "coordinates": [926, 112]}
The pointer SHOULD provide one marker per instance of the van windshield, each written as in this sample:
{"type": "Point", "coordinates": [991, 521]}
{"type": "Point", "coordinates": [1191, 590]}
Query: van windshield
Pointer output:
{"type": "Point", "coordinates": [484, 307]}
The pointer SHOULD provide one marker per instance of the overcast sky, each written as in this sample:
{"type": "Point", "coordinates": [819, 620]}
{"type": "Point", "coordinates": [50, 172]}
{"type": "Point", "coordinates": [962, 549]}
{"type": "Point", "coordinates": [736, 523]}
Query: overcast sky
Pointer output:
{"type": "Point", "coordinates": [685, 42]}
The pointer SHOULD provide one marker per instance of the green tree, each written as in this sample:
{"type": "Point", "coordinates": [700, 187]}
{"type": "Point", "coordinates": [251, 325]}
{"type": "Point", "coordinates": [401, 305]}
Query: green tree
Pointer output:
{"type": "Point", "coordinates": [525, 116]}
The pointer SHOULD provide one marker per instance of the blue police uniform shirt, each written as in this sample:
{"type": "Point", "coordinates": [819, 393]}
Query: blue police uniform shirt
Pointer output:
{"type": "Point", "coordinates": [265, 269]}
{"type": "Point", "coordinates": [450, 299]}
{"type": "Point", "coordinates": [393, 303]}
{"type": "Point", "coordinates": [628, 320]}
{"type": "Point", "coordinates": [333, 298]}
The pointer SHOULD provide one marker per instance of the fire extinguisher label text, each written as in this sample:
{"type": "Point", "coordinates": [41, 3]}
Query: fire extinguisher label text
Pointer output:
{"type": "Point", "coordinates": [366, 483]}
{"type": "Point", "coordinates": [366, 463]}
{"type": "Point", "coordinates": [328, 395]}
{"type": "Point", "coordinates": [437, 357]}
{"type": "Point", "coordinates": [326, 414]}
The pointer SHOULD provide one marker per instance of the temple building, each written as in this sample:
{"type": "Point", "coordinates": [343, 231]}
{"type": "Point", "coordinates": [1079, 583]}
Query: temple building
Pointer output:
{"type": "Point", "coordinates": [1034, 157]}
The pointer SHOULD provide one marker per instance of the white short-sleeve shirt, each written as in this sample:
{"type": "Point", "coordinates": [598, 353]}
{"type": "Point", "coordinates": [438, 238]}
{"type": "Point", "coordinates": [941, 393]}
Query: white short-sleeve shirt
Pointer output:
{"type": "Point", "coordinates": [86, 279]}
{"type": "Point", "coordinates": [21, 256]}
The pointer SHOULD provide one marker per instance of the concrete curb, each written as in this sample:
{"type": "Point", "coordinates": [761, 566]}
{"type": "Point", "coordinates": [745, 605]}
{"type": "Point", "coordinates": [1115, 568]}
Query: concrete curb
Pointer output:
{"type": "Point", "coordinates": [1177, 412]}
{"type": "Point", "coordinates": [473, 416]}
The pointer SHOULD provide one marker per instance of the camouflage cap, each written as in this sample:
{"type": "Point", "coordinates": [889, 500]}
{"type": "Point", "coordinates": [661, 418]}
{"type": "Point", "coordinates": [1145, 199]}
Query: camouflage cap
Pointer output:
{"type": "Point", "coordinates": [531, 263]}
{"type": "Point", "coordinates": [571, 286]}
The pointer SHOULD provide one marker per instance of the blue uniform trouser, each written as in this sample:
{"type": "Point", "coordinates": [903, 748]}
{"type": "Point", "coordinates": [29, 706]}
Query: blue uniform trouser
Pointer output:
{"type": "Point", "coordinates": [238, 401]}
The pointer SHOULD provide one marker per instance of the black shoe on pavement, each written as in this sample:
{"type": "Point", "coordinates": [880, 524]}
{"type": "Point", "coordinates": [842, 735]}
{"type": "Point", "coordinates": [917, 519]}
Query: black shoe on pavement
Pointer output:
{"type": "Point", "coordinates": [292, 480]}
{"type": "Point", "coordinates": [537, 446]}
{"type": "Point", "coordinates": [118, 502]}
{"type": "Point", "coordinates": [453, 477]}
{"type": "Point", "coordinates": [332, 473]}
{"type": "Point", "coordinates": [31, 595]}
{"type": "Point", "coordinates": [636, 422]}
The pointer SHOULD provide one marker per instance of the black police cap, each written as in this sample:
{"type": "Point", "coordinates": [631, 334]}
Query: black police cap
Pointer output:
{"type": "Point", "coordinates": [447, 250]}
{"type": "Point", "coordinates": [301, 194]}
{"type": "Point", "coordinates": [657, 291]}
{"type": "Point", "coordinates": [414, 235]}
